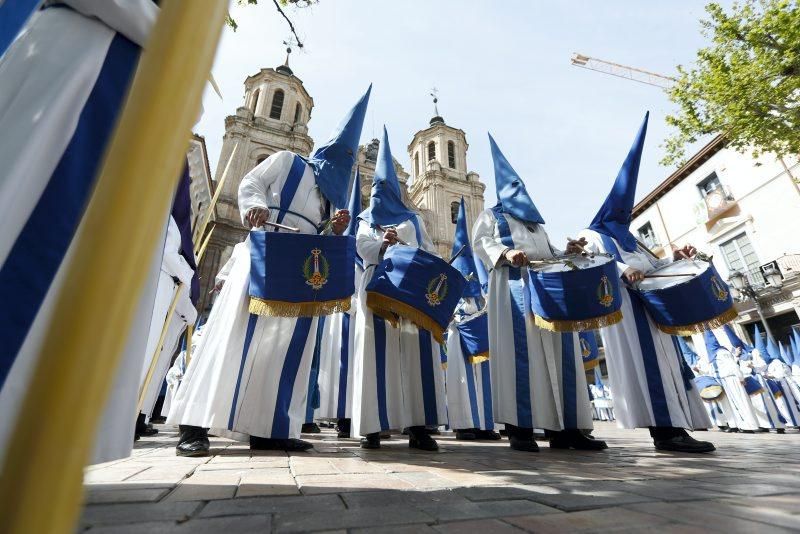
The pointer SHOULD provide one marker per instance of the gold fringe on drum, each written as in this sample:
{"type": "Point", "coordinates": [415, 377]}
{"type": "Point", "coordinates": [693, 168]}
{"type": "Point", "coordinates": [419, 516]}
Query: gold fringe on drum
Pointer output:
{"type": "Point", "coordinates": [387, 308]}
{"type": "Point", "coordinates": [588, 366]}
{"type": "Point", "coordinates": [277, 308]}
{"type": "Point", "coordinates": [479, 358]}
{"type": "Point", "coordinates": [578, 326]}
{"type": "Point", "coordinates": [699, 328]}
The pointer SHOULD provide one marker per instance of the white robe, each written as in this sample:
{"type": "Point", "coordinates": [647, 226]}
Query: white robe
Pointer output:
{"type": "Point", "coordinates": [648, 391]}
{"type": "Point", "coordinates": [538, 378]}
{"type": "Point", "coordinates": [738, 409]}
{"type": "Point", "coordinates": [602, 404]}
{"type": "Point", "coordinates": [469, 397]}
{"type": "Point", "coordinates": [47, 78]}
{"type": "Point", "coordinates": [397, 376]}
{"type": "Point", "coordinates": [789, 402]}
{"type": "Point", "coordinates": [250, 373]}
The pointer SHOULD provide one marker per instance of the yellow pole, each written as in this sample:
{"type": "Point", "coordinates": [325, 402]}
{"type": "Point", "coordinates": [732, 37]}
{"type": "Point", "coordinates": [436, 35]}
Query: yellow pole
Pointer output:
{"type": "Point", "coordinates": [204, 245]}
{"type": "Point", "coordinates": [151, 369]}
{"type": "Point", "coordinates": [217, 191]}
{"type": "Point", "coordinates": [41, 487]}
{"type": "Point", "coordinates": [188, 358]}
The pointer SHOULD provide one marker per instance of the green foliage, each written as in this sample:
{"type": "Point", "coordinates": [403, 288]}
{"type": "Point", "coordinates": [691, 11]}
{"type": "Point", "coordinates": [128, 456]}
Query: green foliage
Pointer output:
{"type": "Point", "coordinates": [745, 84]}
{"type": "Point", "coordinates": [282, 3]}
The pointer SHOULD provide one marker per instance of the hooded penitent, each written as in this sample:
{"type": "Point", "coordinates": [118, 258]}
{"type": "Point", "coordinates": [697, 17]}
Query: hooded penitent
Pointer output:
{"type": "Point", "coordinates": [465, 263]}
{"type": "Point", "coordinates": [761, 345]}
{"type": "Point", "coordinates": [614, 217]}
{"type": "Point", "coordinates": [737, 342]}
{"type": "Point", "coordinates": [386, 206]}
{"type": "Point", "coordinates": [785, 355]}
{"type": "Point", "coordinates": [773, 350]}
{"type": "Point", "coordinates": [796, 346]}
{"type": "Point", "coordinates": [712, 345]}
{"type": "Point", "coordinates": [333, 161]}
{"type": "Point", "coordinates": [512, 197]}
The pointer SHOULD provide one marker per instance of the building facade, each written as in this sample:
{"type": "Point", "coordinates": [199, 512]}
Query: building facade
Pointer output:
{"type": "Point", "coordinates": [744, 212]}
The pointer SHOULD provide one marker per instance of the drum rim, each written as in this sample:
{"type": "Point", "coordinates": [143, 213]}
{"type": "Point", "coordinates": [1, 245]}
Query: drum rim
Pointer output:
{"type": "Point", "coordinates": [709, 265]}
{"type": "Point", "coordinates": [570, 257]}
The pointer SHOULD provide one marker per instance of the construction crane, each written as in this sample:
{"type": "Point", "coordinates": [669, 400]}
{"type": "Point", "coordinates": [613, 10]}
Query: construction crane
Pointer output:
{"type": "Point", "coordinates": [622, 71]}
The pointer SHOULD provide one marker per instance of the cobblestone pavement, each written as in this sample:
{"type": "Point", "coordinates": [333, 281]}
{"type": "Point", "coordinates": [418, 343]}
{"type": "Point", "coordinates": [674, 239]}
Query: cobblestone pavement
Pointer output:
{"type": "Point", "coordinates": [751, 484]}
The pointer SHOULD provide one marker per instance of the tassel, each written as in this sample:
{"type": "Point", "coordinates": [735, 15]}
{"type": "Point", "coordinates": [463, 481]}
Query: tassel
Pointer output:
{"type": "Point", "coordinates": [479, 358]}
{"type": "Point", "coordinates": [386, 307]}
{"type": "Point", "coordinates": [276, 308]}
{"type": "Point", "coordinates": [699, 328]}
{"type": "Point", "coordinates": [578, 326]}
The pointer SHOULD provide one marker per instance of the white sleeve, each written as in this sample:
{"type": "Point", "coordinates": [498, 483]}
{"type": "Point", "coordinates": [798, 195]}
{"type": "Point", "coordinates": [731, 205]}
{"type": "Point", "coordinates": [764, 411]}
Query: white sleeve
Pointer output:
{"type": "Point", "coordinates": [484, 243]}
{"type": "Point", "coordinates": [427, 244]}
{"type": "Point", "coordinates": [596, 245]}
{"type": "Point", "coordinates": [255, 184]}
{"type": "Point", "coordinates": [368, 244]}
{"type": "Point", "coordinates": [132, 18]}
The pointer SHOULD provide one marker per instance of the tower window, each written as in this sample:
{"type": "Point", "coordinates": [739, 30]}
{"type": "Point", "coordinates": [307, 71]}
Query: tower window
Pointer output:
{"type": "Point", "coordinates": [254, 101]}
{"type": "Point", "coordinates": [277, 105]}
{"type": "Point", "coordinates": [298, 110]}
{"type": "Point", "coordinates": [454, 206]}
{"type": "Point", "coordinates": [451, 154]}
{"type": "Point", "coordinates": [431, 151]}
{"type": "Point", "coordinates": [416, 163]}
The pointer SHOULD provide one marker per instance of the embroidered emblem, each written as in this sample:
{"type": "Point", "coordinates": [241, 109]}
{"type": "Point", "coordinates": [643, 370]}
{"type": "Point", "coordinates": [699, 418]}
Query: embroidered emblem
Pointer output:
{"type": "Point", "coordinates": [605, 296]}
{"type": "Point", "coordinates": [720, 291]}
{"type": "Point", "coordinates": [586, 350]}
{"type": "Point", "coordinates": [316, 269]}
{"type": "Point", "coordinates": [437, 290]}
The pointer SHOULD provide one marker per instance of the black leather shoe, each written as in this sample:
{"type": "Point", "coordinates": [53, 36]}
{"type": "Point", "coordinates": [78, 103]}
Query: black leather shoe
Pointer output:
{"type": "Point", "coordinates": [310, 428]}
{"type": "Point", "coordinates": [467, 434]}
{"type": "Point", "coordinates": [488, 435]}
{"type": "Point", "coordinates": [193, 441]}
{"type": "Point", "coordinates": [419, 438]}
{"type": "Point", "coordinates": [371, 441]}
{"type": "Point", "coordinates": [144, 429]}
{"type": "Point", "coordinates": [524, 444]}
{"type": "Point", "coordinates": [343, 428]}
{"type": "Point", "coordinates": [269, 444]}
{"type": "Point", "coordinates": [683, 443]}
{"type": "Point", "coordinates": [575, 439]}
{"type": "Point", "coordinates": [780, 431]}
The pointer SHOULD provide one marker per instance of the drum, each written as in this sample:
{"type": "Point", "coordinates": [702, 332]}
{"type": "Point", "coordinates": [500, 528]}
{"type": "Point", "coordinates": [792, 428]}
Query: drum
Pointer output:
{"type": "Point", "coordinates": [417, 286]}
{"type": "Point", "coordinates": [574, 293]}
{"type": "Point", "coordinates": [752, 386]}
{"type": "Point", "coordinates": [686, 297]}
{"type": "Point", "coordinates": [589, 352]}
{"type": "Point", "coordinates": [709, 387]}
{"type": "Point", "coordinates": [775, 388]}
{"type": "Point", "coordinates": [474, 334]}
{"type": "Point", "coordinates": [300, 275]}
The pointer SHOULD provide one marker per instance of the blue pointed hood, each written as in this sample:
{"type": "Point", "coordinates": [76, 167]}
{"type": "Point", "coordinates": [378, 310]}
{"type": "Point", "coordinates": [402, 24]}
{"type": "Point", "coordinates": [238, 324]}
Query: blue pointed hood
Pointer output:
{"type": "Point", "coordinates": [689, 355]}
{"type": "Point", "coordinates": [773, 350]}
{"type": "Point", "coordinates": [614, 217]}
{"type": "Point", "coordinates": [512, 196]}
{"type": "Point", "coordinates": [354, 205]}
{"type": "Point", "coordinates": [333, 161]}
{"type": "Point", "coordinates": [386, 201]}
{"type": "Point", "coordinates": [712, 345]}
{"type": "Point", "coordinates": [598, 378]}
{"type": "Point", "coordinates": [465, 263]}
{"type": "Point", "coordinates": [784, 355]}
{"type": "Point", "coordinates": [796, 345]}
{"type": "Point", "coordinates": [761, 345]}
{"type": "Point", "coordinates": [736, 341]}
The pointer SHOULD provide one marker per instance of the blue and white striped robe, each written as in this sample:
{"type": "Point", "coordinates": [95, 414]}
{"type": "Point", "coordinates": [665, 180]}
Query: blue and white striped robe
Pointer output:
{"type": "Point", "coordinates": [469, 386]}
{"type": "Point", "coordinates": [250, 374]}
{"type": "Point", "coordinates": [63, 83]}
{"type": "Point", "coordinates": [646, 374]}
{"type": "Point", "coordinates": [538, 379]}
{"type": "Point", "coordinates": [397, 376]}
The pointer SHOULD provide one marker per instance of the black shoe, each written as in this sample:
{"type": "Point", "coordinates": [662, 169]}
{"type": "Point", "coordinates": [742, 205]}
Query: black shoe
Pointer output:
{"type": "Point", "coordinates": [433, 430]}
{"type": "Point", "coordinates": [419, 438]}
{"type": "Point", "coordinates": [386, 435]}
{"type": "Point", "coordinates": [192, 442]}
{"type": "Point", "coordinates": [269, 444]}
{"type": "Point", "coordinates": [144, 429]}
{"type": "Point", "coordinates": [160, 420]}
{"type": "Point", "coordinates": [488, 435]}
{"type": "Point", "coordinates": [503, 432]}
{"type": "Point", "coordinates": [748, 431]}
{"type": "Point", "coordinates": [371, 441]}
{"type": "Point", "coordinates": [521, 443]}
{"type": "Point", "coordinates": [733, 430]}
{"type": "Point", "coordinates": [467, 434]}
{"type": "Point", "coordinates": [310, 428]}
{"type": "Point", "coordinates": [343, 428]}
{"type": "Point", "coordinates": [683, 443]}
{"type": "Point", "coordinates": [575, 439]}
{"type": "Point", "coordinates": [780, 431]}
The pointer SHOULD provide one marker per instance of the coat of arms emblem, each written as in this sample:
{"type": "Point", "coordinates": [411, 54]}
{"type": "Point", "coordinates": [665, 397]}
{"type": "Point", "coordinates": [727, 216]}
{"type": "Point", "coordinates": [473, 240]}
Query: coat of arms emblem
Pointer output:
{"type": "Point", "coordinates": [586, 350]}
{"type": "Point", "coordinates": [437, 290]}
{"type": "Point", "coordinates": [605, 295]}
{"type": "Point", "coordinates": [316, 269]}
{"type": "Point", "coordinates": [719, 289]}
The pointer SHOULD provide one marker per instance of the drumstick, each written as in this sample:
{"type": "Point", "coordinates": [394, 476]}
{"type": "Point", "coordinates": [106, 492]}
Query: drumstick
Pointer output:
{"type": "Point", "coordinates": [457, 254]}
{"type": "Point", "coordinates": [281, 226]}
{"type": "Point", "coordinates": [668, 275]}
{"type": "Point", "coordinates": [381, 229]}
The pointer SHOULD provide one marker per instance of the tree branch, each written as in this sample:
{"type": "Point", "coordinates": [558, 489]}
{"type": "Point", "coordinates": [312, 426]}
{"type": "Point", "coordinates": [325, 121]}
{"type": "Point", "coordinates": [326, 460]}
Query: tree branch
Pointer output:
{"type": "Point", "coordinates": [291, 26]}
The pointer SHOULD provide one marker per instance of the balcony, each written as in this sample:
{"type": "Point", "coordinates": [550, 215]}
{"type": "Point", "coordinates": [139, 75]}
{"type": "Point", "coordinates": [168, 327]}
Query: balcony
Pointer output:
{"type": "Point", "coordinates": [718, 201]}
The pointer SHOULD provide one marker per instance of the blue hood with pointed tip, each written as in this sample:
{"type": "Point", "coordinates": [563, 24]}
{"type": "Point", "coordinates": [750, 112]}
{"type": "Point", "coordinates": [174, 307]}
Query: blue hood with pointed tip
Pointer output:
{"type": "Point", "coordinates": [512, 196]}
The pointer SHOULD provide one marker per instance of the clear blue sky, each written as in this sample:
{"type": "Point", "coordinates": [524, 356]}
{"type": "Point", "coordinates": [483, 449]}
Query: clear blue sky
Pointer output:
{"type": "Point", "coordinates": [499, 66]}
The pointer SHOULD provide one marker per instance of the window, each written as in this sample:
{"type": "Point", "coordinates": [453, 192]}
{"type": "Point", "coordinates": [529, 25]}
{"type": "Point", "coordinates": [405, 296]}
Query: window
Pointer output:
{"type": "Point", "coordinates": [451, 154]}
{"type": "Point", "coordinates": [254, 101]}
{"type": "Point", "coordinates": [277, 105]}
{"type": "Point", "coordinates": [648, 236]}
{"type": "Point", "coordinates": [416, 164]}
{"type": "Point", "coordinates": [740, 256]}
{"type": "Point", "coordinates": [431, 151]}
{"type": "Point", "coordinates": [260, 159]}
{"type": "Point", "coordinates": [709, 184]}
{"type": "Point", "coordinates": [298, 112]}
{"type": "Point", "coordinates": [454, 207]}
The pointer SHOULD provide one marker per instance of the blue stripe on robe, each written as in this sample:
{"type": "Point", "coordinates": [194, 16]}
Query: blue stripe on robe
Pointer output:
{"type": "Point", "coordinates": [426, 374]}
{"type": "Point", "coordinates": [379, 325]}
{"type": "Point", "coordinates": [486, 388]}
{"type": "Point", "coordinates": [39, 249]}
{"type": "Point", "coordinates": [568, 381]}
{"type": "Point", "coordinates": [472, 390]}
{"type": "Point", "coordinates": [291, 366]}
{"type": "Point", "coordinates": [344, 364]}
{"type": "Point", "coordinates": [248, 338]}
{"type": "Point", "coordinates": [313, 399]}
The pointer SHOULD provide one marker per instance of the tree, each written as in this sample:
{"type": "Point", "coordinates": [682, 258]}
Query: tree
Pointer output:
{"type": "Point", "coordinates": [278, 4]}
{"type": "Point", "coordinates": [746, 84]}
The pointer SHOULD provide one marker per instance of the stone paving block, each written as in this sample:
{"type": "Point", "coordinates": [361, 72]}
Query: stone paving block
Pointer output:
{"type": "Point", "coordinates": [494, 493]}
{"type": "Point", "coordinates": [763, 514]}
{"type": "Point", "coordinates": [478, 526]}
{"type": "Point", "coordinates": [424, 480]}
{"type": "Point", "coordinates": [315, 484]}
{"type": "Point", "coordinates": [401, 498]}
{"type": "Point", "coordinates": [255, 482]}
{"type": "Point", "coordinates": [206, 486]}
{"type": "Point", "coordinates": [485, 509]}
{"type": "Point", "coordinates": [358, 518]}
{"type": "Point", "coordinates": [747, 489]}
{"type": "Point", "coordinates": [125, 495]}
{"type": "Point", "coordinates": [114, 473]}
{"type": "Point", "coordinates": [589, 521]}
{"type": "Point", "coordinates": [109, 514]}
{"type": "Point", "coordinates": [419, 528]}
{"type": "Point", "coordinates": [265, 505]}
{"type": "Point", "coordinates": [572, 499]}
{"type": "Point", "coordinates": [230, 524]}
{"type": "Point", "coordinates": [789, 504]}
{"type": "Point", "coordinates": [700, 517]}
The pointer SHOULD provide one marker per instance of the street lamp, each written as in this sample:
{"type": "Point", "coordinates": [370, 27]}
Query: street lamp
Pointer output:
{"type": "Point", "coordinates": [742, 290]}
{"type": "Point", "coordinates": [773, 276]}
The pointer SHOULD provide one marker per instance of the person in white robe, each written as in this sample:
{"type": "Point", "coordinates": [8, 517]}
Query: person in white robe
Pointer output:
{"type": "Point", "coordinates": [250, 375]}
{"type": "Point", "coordinates": [769, 387]}
{"type": "Point", "coordinates": [398, 381]}
{"type": "Point", "coordinates": [468, 376]}
{"type": "Point", "coordinates": [787, 398]}
{"type": "Point", "coordinates": [719, 410]}
{"type": "Point", "coordinates": [538, 379]}
{"type": "Point", "coordinates": [652, 388]}
{"type": "Point", "coordinates": [63, 83]}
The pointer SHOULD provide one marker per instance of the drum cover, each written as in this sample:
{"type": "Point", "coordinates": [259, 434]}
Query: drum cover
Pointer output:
{"type": "Point", "coordinates": [709, 387]}
{"type": "Point", "coordinates": [567, 299]}
{"type": "Point", "coordinates": [474, 333]}
{"type": "Point", "coordinates": [775, 388]}
{"type": "Point", "coordinates": [752, 386]}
